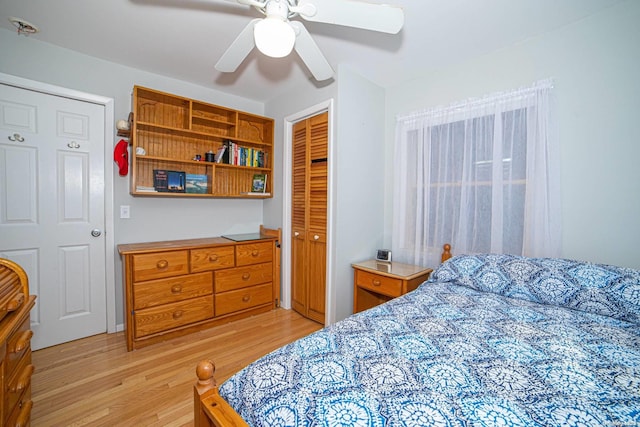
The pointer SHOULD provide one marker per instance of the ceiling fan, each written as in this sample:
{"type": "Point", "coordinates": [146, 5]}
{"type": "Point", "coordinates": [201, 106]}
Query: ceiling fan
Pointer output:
{"type": "Point", "coordinates": [276, 35]}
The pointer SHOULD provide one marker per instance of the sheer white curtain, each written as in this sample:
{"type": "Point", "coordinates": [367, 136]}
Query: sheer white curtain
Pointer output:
{"type": "Point", "coordinates": [481, 175]}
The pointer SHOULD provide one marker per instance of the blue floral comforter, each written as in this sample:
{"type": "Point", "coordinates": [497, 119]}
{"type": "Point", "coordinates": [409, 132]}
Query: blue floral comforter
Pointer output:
{"type": "Point", "coordinates": [451, 355]}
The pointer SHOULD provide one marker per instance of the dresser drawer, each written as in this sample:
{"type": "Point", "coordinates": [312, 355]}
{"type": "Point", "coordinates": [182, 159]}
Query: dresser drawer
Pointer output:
{"type": "Point", "coordinates": [254, 253]}
{"type": "Point", "coordinates": [169, 316]}
{"type": "Point", "coordinates": [160, 264]}
{"type": "Point", "coordinates": [163, 291]}
{"type": "Point", "coordinates": [241, 299]}
{"type": "Point", "coordinates": [209, 259]}
{"type": "Point", "coordinates": [377, 283]}
{"type": "Point", "coordinates": [19, 381]}
{"type": "Point", "coordinates": [242, 277]}
{"type": "Point", "coordinates": [21, 414]}
{"type": "Point", "coordinates": [18, 344]}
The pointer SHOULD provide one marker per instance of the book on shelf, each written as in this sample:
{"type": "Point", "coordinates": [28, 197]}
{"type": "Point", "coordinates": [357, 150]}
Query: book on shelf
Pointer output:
{"type": "Point", "coordinates": [196, 184]}
{"type": "Point", "coordinates": [220, 154]}
{"type": "Point", "coordinates": [259, 183]}
{"type": "Point", "coordinates": [251, 193]}
{"type": "Point", "coordinates": [233, 154]}
{"type": "Point", "coordinates": [166, 181]}
{"type": "Point", "coordinates": [145, 189]}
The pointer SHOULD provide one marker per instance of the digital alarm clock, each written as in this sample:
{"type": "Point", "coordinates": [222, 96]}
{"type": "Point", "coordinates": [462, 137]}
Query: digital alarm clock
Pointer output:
{"type": "Point", "coordinates": [383, 255]}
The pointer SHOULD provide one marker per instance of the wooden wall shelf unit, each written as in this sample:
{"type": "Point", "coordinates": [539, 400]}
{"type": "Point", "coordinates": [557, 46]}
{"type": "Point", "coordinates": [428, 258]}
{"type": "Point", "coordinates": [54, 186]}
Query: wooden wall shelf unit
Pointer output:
{"type": "Point", "coordinates": [173, 288]}
{"type": "Point", "coordinates": [172, 130]}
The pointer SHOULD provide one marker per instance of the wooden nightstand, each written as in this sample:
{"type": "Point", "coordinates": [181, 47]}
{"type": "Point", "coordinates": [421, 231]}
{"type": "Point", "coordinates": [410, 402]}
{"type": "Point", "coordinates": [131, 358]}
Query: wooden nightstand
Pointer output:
{"type": "Point", "coordinates": [376, 282]}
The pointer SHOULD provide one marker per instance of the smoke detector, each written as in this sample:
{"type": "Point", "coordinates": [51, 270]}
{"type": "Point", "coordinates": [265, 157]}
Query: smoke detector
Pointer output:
{"type": "Point", "coordinates": [23, 26]}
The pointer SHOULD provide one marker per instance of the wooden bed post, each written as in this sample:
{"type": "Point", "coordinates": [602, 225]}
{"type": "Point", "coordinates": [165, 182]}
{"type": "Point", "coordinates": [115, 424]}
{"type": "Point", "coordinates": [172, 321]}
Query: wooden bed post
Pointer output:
{"type": "Point", "coordinates": [209, 408]}
{"type": "Point", "coordinates": [446, 252]}
{"type": "Point", "coordinates": [206, 384]}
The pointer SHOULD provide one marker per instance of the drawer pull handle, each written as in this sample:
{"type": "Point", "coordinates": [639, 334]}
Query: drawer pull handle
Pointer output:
{"type": "Point", "coordinates": [316, 237]}
{"type": "Point", "coordinates": [22, 342]}
{"type": "Point", "coordinates": [177, 314]}
{"type": "Point", "coordinates": [376, 282]}
{"type": "Point", "coordinates": [23, 381]}
{"type": "Point", "coordinates": [246, 276]}
{"type": "Point", "coordinates": [213, 258]}
{"type": "Point", "coordinates": [296, 234]}
{"type": "Point", "coordinates": [25, 414]}
{"type": "Point", "coordinates": [255, 253]}
{"type": "Point", "coordinates": [162, 264]}
{"type": "Point", "coordinates": [246, 298]}
{"type": "Point", "coordinates": [176, 289]}
{"type": "Point", "coordinates": [15, 303]}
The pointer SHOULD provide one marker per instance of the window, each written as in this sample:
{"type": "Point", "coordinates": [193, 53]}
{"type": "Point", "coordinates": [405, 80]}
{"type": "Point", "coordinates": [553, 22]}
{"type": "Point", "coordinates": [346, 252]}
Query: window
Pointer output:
{"type": "Point", "coordinates": [479, 175]}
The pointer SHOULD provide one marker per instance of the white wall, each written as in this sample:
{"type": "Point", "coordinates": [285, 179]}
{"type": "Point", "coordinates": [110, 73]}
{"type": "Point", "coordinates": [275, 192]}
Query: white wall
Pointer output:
{"type": "Point", "coordinates": [596, 67]}
{"type": "Point", "coordinates": [359, 183]}
{"type": "Point", "coordinates": [152, 219]}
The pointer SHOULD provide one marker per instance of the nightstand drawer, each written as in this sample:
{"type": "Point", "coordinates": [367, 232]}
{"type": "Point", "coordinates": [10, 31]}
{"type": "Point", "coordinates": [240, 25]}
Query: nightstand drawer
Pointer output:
{"type": "Point", "coordinates": [162, 291]}
{"type": "Point", "coordinates": [161, 264]}
{"type": "Point", "coordinates": [254, 253]}
{"type": "Point", "coordinates": [209, 259]}
{"type": "Point", "coordinates": [232, 301]}
{"type": "Point", "coordinates": [169, 316]}
{"type": "Point", "coordinates": [380, 284]}
{"type": "Point", "coordinates": [242, 277]}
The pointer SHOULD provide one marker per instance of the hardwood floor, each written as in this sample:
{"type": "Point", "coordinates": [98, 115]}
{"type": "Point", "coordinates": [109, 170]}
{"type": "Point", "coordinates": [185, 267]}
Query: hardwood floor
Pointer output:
{"type": "Point", "coordinates": [96, 382]}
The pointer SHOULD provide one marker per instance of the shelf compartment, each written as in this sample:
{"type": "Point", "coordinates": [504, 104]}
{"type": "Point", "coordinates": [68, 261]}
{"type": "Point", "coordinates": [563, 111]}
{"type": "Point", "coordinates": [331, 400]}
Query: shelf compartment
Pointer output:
{"type": "Point", "coordinates": [177, 146]}
{"type": "Point", "coordinates": [163, 109]}
{"type": "Point", "coordinates": [234, 182]}
{"type": "Point", "coordinates": [146, 165]}
{"type": "Point", "coordinates": [254, 128]}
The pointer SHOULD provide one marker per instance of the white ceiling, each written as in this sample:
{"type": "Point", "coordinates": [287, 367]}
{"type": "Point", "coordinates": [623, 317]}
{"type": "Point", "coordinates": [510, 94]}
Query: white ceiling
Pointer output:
{"type": "Point", "coordinates": [183, 39]}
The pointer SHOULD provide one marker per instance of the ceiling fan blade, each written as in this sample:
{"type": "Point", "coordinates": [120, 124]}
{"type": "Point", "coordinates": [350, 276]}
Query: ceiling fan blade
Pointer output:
{"type": "Point", "coordinates": [239, 49]}
{"type": "Point", "coordinates": [368, 16]}
{"type": "Point", "coordinates": [310, 53]}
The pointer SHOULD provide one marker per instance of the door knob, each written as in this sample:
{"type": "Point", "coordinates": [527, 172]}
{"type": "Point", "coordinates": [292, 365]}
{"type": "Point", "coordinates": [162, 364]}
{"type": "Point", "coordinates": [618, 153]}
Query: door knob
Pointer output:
{"type": "Point", "coordinates": [96, 232]}
{"type": "Point", "coordinates": [316, 237]}
{"type": "Point", "coordinates": [16, 137]}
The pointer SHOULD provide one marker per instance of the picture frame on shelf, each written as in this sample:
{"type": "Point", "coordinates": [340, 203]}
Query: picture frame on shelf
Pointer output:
{"type": "Point", "coordinates": [259, 183]}
{"type": "Point", "coordinates": [196, 184]}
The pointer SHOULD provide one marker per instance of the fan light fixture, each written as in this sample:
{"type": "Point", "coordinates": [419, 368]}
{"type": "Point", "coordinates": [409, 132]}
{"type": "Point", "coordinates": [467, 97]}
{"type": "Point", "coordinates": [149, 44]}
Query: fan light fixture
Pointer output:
{"type": "Point", "coordinates": [274, 37]}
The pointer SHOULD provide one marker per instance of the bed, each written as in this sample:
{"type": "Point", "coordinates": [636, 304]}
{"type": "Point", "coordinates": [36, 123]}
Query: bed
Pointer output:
{"type": "Point", "coordinates": [488, 340]}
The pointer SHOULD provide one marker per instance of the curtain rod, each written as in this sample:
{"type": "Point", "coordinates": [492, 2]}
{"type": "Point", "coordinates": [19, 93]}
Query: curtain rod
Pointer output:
{"type": "Point", "coordinates": [476, 102]}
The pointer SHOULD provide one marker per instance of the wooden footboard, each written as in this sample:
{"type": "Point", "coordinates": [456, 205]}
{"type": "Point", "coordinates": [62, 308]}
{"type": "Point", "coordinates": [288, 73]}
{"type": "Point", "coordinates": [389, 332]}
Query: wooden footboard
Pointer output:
{"type": "Point", "coordinates": [209, 409]}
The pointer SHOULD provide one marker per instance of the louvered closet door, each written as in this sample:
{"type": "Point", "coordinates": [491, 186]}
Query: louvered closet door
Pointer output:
{"type": "Point", "coordinates": [298, 218]}
{"type": "Point", "coordinates": [317, 214]}
{"type": "Point", "coordinates": [309, 216]}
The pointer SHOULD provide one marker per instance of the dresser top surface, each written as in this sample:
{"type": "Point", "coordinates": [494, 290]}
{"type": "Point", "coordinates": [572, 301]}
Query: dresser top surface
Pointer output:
{"type": "Point", "coordinates": [128, 248]}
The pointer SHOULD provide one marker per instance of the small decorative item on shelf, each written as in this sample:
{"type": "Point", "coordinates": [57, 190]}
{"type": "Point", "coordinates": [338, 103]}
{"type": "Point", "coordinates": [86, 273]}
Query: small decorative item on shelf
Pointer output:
{"type": "Point", "coordinates": [197, 157]}
{"type": "Point", "coordinates": [208, 156]}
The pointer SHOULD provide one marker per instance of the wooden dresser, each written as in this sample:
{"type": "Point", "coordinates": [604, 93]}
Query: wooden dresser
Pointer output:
{"type": "Point", "coordinates": [15, 345]}
{"type": "Point", "coordinates": [177, 287]}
